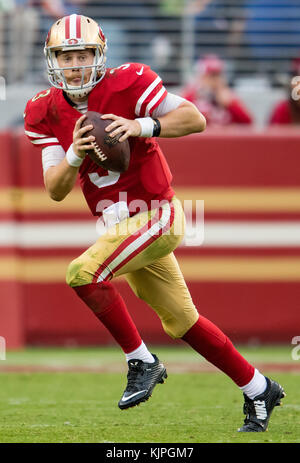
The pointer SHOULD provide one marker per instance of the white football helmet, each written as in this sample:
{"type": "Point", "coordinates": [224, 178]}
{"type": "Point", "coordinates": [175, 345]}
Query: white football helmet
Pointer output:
{"type": "Point", "coordinates": [75, 32]}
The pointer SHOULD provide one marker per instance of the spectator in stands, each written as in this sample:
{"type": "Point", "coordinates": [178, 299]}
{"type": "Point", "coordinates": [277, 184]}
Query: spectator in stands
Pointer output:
{"type": "Point", "coordinates": [287, 112]}
{"type": "Point", "coordinates": [210, 92]}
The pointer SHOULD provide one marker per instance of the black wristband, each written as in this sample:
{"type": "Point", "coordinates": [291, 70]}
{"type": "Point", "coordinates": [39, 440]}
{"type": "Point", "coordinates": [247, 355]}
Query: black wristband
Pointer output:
{"type": "Point", "coordinates": [156, 128]}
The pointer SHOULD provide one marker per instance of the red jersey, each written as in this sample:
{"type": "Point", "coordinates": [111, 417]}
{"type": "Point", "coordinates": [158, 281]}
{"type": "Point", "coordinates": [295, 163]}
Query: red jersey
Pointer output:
{"type": "Point", "coordinates": [282, 113]}
{"type": "Point", "coordinates": [131, 90]}
{"type": "Point", "coordinates": [234, 113]}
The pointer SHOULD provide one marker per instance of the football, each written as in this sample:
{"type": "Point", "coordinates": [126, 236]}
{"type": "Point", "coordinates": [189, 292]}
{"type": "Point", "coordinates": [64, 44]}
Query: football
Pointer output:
{"type": "Point", "coordinates": [108, 152]}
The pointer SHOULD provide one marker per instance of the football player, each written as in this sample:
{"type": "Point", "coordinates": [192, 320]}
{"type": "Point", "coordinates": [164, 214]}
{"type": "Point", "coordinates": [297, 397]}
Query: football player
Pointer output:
{"type": "Point", "coordinates": [139, 242]}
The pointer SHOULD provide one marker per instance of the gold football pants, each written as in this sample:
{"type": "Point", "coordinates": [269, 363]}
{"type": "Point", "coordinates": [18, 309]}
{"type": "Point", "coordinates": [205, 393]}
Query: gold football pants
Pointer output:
{"type": "Point", "coordinates": [141, 248]}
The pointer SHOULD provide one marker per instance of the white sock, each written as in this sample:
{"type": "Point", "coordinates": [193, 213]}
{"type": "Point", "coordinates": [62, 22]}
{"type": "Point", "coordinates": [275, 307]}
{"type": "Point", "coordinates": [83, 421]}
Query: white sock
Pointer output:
{"type": "Point", "coordinates": [141, 353]}
{"type": "Point", "coordinates": [256, 386]}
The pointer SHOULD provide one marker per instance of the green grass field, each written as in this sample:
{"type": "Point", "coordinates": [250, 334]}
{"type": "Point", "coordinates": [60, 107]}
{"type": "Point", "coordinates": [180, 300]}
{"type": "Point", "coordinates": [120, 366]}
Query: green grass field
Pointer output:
{"type": "Point", "coordinates": [71, 395]}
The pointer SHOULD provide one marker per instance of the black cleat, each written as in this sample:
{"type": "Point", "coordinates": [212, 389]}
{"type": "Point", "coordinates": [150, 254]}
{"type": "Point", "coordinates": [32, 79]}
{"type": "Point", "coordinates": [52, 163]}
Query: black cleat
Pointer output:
{"type": "Point", "coordinates": [258, 410]}
{"type": "Point", "coordinates": [141, 379]}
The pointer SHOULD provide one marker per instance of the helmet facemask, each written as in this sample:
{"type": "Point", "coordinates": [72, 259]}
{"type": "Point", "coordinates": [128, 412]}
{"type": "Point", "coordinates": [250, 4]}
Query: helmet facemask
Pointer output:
{"type": "Point", "coordinates": [56, 74]}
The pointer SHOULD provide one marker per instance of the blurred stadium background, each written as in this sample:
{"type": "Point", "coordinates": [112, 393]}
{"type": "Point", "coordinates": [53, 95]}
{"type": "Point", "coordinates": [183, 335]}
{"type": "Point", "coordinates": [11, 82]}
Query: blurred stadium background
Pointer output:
{"type": "Point", "coordinates": [245, 276]}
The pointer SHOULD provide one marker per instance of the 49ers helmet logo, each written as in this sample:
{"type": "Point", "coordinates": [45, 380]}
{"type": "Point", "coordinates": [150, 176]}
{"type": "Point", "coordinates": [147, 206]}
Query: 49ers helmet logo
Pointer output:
{"type": "Point", "coordinates": [72, 41]}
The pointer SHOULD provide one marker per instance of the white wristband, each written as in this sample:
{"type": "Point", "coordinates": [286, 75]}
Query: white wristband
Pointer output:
{"type": "Point", "coordinates": [147, 126]}
{"type": "Point", "coordinates": [72, 158]}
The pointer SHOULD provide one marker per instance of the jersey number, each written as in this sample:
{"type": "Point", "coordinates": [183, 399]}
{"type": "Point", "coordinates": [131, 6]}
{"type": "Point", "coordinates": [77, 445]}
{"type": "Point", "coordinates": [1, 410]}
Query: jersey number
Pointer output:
{"type": "Point", "coordinates": [123, 67]}
{"type": "Point", "coordinates": [105, 180]}
{"type": "Point", "coordinates": [41, 95]}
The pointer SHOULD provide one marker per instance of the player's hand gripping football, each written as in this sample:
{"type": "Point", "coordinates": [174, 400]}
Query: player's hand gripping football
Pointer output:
{"type": "Point", "coordinates": [128, 127]}
{"type": "Point", "coordinates": [82, 144]}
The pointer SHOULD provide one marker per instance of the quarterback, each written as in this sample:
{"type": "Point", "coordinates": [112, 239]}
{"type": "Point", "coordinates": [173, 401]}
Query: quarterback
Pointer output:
{"type": "Point", "coordinates": [138, 244]}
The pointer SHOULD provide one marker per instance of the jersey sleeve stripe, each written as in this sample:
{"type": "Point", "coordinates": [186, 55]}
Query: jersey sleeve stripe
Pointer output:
{"type": "Point", "coordinates": [156, 100]}
{"type": "Point", "coordinates": [35, 135]}
{"type": "Point", "coordinates": [44, 140]}
{"type": "Point", "coordinates": [146, 93]}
